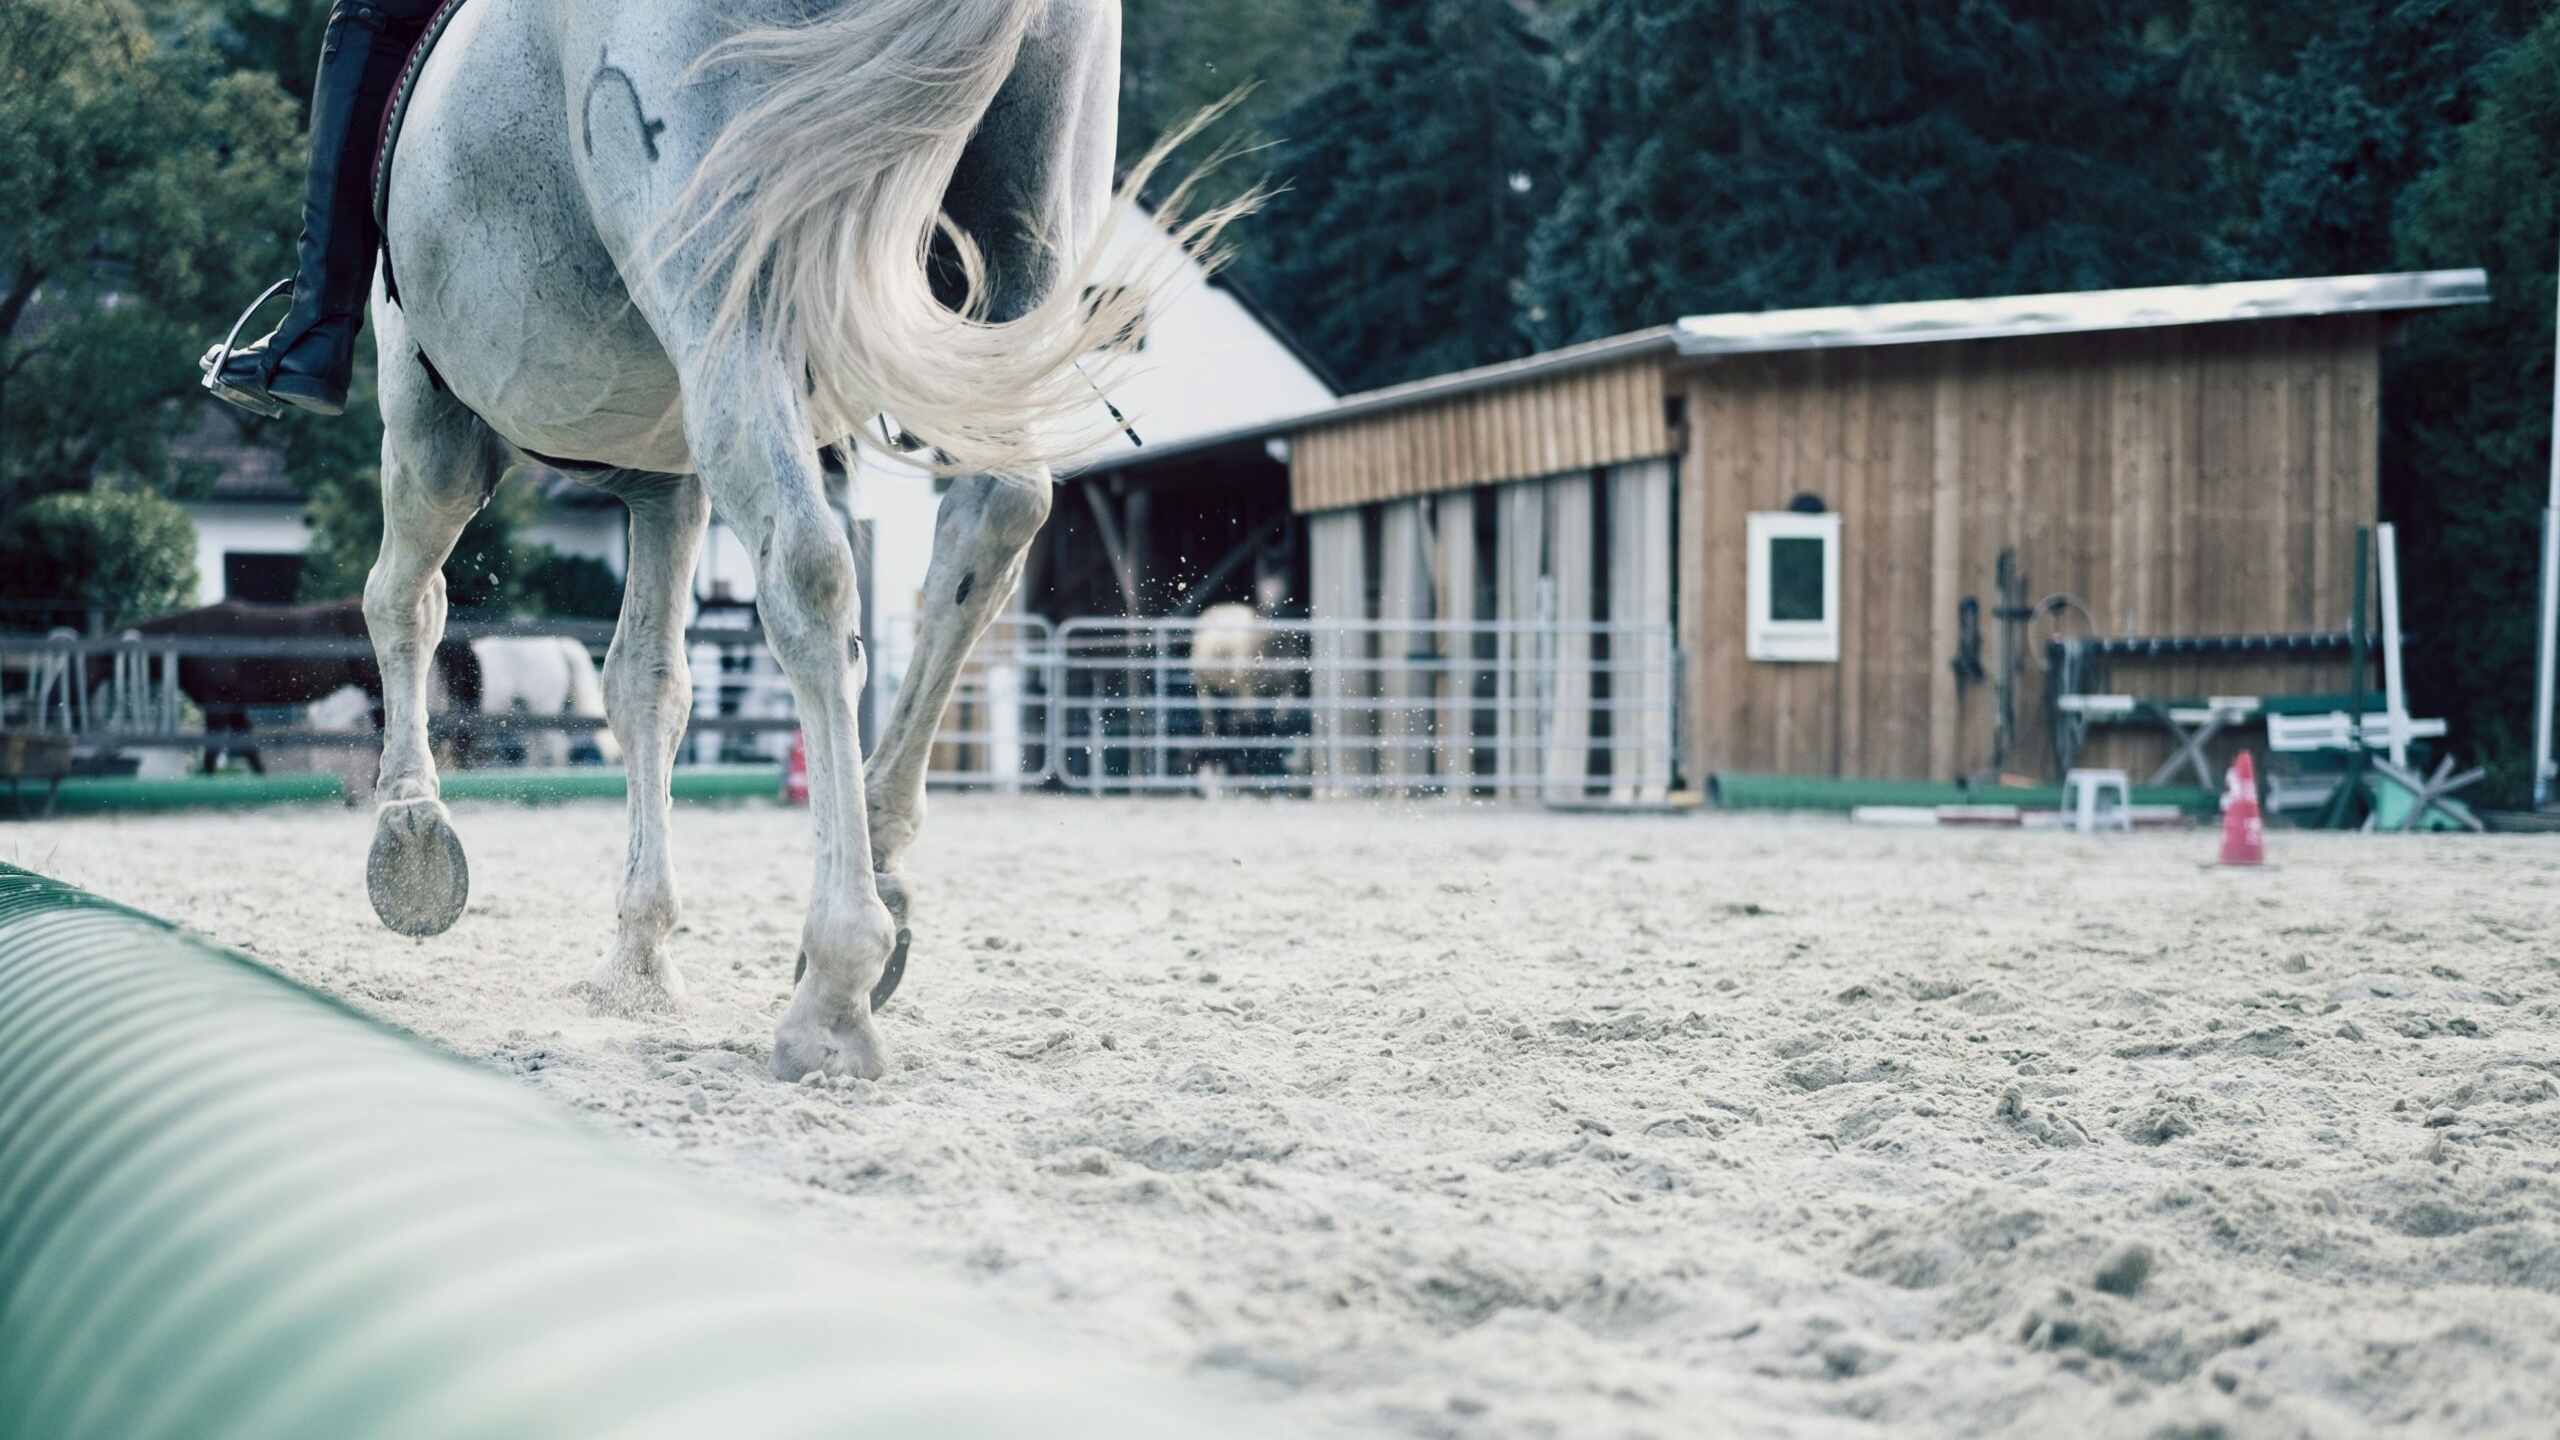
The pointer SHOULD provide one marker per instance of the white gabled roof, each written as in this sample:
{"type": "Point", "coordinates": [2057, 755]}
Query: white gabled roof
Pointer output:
{"type": "Point", "coordinates": [1853, 326]}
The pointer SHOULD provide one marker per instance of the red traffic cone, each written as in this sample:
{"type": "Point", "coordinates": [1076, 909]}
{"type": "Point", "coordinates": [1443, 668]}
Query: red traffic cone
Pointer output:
{"type": "Point", "coordinates": [795, 771]}
{"type": "Point", "coordinates": [2244, 831]}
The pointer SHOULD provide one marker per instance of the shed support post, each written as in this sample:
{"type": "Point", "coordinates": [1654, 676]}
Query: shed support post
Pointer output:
{"type": "Point", "coordinates": [1568, 755]}
{"type": "Point", "coordinates": [1404, 607]}
{"type": "Point", "coordinates": [1454, 574]}
{"type": "Point", "coordinates": [1640, 676]}
{"type": "Point", "coordinates": [1520, 568]}
{"type": "Point", "coordinates": [1341, 584]}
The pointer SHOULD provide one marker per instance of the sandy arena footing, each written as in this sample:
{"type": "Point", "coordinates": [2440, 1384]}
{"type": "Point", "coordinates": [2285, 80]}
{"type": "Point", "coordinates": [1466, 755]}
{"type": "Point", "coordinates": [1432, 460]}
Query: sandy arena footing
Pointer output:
{"type": "Point", "coordinates": [1488, 1122]}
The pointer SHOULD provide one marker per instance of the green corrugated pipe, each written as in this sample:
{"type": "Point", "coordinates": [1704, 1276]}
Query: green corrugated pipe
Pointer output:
{"type": "Point", "coordinates": [231, 1209]}
{"type": "Point", "coordinates": [99, 795]}
{"type": "Point", "coordinates": [1814, 792]}
{"type": "Point", "coordinates": [105, 795]}
{"type": "Point", "coordinates": [691, 783]}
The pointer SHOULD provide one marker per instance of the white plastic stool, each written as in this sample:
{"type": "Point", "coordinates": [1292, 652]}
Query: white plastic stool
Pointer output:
{"type": "Point", "coordinates": [2081, 791]}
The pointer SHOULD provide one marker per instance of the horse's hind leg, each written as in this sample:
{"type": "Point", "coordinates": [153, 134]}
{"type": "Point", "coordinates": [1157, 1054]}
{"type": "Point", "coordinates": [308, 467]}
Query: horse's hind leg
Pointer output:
{"type": "Point", "coordinates": [985, 525]}
{"type": "Point", "coordinates": [1031, 187]}
{"type": "Point", "coordinates": [752, 441]}
{"type": "Point", "coordinates": [439, 464]}
{"type": "Point", "coordinates": [648, 695]}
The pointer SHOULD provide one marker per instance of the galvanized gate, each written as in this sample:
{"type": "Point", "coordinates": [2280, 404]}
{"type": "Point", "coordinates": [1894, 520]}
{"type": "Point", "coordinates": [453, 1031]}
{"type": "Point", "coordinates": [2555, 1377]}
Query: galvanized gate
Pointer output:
{"type": "Point", "coordinates": [1564, 713]}
{"type": "Point", "coordinates": [1550, 711]}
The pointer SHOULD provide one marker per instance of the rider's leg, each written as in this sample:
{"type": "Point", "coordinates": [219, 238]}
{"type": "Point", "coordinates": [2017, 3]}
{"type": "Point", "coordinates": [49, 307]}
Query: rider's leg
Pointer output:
{"type": "Point", "coordinates": [307, 360]}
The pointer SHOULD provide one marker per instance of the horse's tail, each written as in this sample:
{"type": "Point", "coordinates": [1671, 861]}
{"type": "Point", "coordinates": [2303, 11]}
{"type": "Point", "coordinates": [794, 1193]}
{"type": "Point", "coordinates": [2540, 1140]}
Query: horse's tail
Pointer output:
{"type": "Point", "coordinates": [818, 209]}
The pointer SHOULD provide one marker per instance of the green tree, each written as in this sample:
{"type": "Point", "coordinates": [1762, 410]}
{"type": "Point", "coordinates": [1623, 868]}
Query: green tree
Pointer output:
{"type": "Point", "coordinates": [1741, 154]}
{"type": "Point", "coordinates": [486, 576]}
{"type": "Point", "coordinates": [2467, 443]}
{"type": "Point", "coordinates": [279, 37]}
{"type": "Point", "coordinates": [1413, 181]}
{"type": "Point", "coordinates": [1179, 57]}
{"type": "Point", "coordinates": [2337, 109]}
{"type": "Point", "coordinates": [144, 182]}
{"type": "Point", "coordinates": [95, 560]}
{"type": "Point", "coordinates": [572, 586]}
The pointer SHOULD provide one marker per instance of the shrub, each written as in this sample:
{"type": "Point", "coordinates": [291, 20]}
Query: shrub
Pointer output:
{"type": "Point", "coordinates": [102, 559]}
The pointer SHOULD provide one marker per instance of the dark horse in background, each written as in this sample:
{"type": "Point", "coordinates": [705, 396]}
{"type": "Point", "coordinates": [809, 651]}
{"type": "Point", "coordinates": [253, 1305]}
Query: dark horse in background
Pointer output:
{"type": "Point", "coordinates": [227, 688]}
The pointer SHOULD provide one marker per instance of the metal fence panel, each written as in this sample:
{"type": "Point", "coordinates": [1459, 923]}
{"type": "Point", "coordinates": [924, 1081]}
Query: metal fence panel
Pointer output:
{"type": "Point", "coordinates": [1531, 709]}
{"type": "Point", "coordinates": [997, 732]}
{"type": "Point", "coordinates": [1454, 708]}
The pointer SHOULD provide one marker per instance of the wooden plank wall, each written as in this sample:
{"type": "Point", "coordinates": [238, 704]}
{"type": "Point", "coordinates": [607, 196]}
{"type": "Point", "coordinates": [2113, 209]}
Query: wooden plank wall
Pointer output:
{"type": "Point", "coordinates": [1578, 421]}
{"type": "Point", "coordinates": [2193, 481]}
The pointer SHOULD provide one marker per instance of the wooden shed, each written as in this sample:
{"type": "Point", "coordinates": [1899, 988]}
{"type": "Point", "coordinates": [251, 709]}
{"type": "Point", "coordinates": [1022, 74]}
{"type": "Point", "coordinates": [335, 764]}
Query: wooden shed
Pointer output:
{"type": "Point", "coordinates": [1866, 525]}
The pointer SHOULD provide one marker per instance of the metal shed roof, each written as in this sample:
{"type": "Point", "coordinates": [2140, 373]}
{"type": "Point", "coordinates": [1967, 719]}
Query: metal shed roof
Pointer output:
{"type": "Point", "coordinates": [1851, 326]}
{"type": "Point", "coordinates": [2079, 312]}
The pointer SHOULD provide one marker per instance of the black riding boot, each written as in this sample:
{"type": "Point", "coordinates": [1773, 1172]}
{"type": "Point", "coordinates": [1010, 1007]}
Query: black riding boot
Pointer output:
{"type": "Point", "coordinates": [307, 360]}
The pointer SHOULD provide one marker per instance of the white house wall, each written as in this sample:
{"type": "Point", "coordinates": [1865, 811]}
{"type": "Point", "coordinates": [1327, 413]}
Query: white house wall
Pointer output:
{"type": "Point", "coordinates": [601, 533]}
{"type": "Point", "coordinates": [255, 528]}
{"type": "Point", "coordinates": [1209, 366]}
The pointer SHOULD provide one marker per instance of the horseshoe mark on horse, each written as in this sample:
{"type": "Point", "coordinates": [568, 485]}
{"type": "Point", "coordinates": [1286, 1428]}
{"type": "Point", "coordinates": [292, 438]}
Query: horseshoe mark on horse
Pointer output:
{"type": "Point", "coordinates": [606, 72]}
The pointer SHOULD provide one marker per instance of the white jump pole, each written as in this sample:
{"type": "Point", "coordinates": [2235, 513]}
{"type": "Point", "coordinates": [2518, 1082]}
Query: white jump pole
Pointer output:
{"type": "Point", "coordinates": [2550, 648]}
{"type": "Point", "coordinates": [2395, 691]}
{"type": "Point", "coordinates": [2550, 639]}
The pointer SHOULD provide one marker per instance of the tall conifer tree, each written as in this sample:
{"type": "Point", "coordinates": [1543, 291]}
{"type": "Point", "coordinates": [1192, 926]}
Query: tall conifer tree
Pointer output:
{"type": "Point", "coordinates": [1414, 180]}
{"type": "Point", "coordinates": [1742, 154]}
{"type": "Point", "coordinates": [2467, 436]}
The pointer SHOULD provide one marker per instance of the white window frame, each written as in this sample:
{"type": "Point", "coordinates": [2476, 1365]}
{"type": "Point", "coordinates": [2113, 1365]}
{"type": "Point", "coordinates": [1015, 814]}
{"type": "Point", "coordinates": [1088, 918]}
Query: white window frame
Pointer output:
{"type": "Point", "coordinates": [1800, 642]}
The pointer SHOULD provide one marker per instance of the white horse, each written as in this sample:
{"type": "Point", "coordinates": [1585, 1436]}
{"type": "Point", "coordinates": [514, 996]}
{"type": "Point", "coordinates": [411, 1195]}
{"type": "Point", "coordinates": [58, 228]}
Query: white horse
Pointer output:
{"type": "Point", "coordinates": [1236, 670]}
{"type": "Point", "coordinates": [542, 675]}
{"type": "Point", "coordinates": [688, 242]}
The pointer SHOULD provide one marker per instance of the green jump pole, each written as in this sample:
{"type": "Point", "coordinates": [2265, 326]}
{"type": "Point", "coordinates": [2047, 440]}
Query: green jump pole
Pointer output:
{"type": "Point", "coordinates": [231, 1209]}
{"type": "Point", "coordinates": [1824, 793]}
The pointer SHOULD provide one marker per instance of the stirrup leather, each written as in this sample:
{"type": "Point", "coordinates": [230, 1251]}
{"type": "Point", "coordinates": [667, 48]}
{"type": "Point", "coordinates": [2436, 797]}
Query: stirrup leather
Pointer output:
{"type": "Point", "coordinates": [256, 402]}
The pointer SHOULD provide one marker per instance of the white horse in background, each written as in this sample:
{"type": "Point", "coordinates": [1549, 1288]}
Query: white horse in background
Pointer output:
{"type": "Point", "coordinates": [1237, 670]}
{"type": "Point", "coordinates": [545, 675]}
{"type": "Point", "coordinates": [680, 246]}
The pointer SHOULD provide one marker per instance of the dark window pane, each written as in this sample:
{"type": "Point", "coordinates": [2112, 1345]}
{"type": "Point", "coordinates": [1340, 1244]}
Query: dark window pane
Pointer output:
{"type": "Point", "coordinates": [1795, 579]}
{"type": "Point", "coordinates": [261, 579]}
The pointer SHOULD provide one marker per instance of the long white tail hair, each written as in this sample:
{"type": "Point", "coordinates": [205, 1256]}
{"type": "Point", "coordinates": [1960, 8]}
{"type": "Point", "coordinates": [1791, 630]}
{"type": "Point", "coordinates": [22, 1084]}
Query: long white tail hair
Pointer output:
{"type": "Point", "coordinates": [819, 205]}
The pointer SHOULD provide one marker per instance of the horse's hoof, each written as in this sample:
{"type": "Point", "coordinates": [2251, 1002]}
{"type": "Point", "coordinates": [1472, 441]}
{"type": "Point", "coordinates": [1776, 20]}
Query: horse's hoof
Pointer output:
{"type": "Point", "coordinates": [624, 992]}
{"type": "Point", "coordinates": [416, 875]}
{"type": "Point", "coordinates": [804, 1045]}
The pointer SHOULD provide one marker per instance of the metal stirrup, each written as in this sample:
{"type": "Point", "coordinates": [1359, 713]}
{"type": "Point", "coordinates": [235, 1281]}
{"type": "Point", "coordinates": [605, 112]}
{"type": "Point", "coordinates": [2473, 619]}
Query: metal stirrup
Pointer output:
{"type": "Point", "coordinates": [249, 400]}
